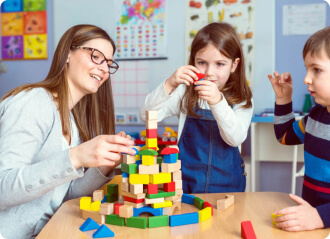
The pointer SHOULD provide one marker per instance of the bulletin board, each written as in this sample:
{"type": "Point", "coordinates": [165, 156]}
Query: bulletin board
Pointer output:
{"type": "Point", "coordinates": [24, 29]}
{"type": "Point", "coordinates": [239, 13]}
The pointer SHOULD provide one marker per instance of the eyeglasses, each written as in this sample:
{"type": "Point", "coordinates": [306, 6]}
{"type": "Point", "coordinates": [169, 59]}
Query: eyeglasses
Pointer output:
{"type": "Point", "coordinates": [98, 58]}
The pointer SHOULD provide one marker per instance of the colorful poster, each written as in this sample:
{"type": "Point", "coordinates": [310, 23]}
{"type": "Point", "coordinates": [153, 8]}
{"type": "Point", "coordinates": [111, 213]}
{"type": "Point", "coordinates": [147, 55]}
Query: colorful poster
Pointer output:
{"type": "Point", "coordinates": [238, 13]}
{"type": "Point", "coordinates": [24, 29]}
{"type": "Point", "coordinates": [140, 30]}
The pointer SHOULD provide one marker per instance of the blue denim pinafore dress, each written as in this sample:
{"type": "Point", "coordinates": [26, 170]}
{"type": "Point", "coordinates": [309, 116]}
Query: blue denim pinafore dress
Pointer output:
{"type": "Point", "coordinates": [209, 164]}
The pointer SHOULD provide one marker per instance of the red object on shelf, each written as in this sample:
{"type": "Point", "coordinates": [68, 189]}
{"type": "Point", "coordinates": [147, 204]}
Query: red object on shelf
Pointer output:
{"type": "Point", "coordinates": [200, 76]}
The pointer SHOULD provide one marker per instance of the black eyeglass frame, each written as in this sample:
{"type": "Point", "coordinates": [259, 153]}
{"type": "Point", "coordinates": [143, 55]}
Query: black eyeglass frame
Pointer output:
{"type": "Point", "coordinates": [116, 67]}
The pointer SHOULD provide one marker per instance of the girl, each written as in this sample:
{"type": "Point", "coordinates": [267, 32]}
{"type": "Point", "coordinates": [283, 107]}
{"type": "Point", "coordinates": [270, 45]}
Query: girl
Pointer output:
{"type": "Point", "coordinates": [43, 161]}
{"type": "Point", "coordinates": [214, 114]}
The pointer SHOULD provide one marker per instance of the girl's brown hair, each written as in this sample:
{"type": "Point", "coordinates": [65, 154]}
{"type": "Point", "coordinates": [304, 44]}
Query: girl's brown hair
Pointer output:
{"type": "Point", "coordinates": [94, 113]}
{"type": "Point", "coordinates": [317, 42]}
{"type": "Point", "coordinates": [224, 37]}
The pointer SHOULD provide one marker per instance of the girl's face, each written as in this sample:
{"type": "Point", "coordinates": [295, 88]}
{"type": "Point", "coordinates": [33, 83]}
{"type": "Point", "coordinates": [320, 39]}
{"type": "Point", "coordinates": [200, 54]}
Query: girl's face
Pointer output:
{"type": "Point", "coordinates": [318, 77]}
{"type": "Point", "coordinates": [216, 66]}
{"type": "Point", "coordinates": [85, 76]}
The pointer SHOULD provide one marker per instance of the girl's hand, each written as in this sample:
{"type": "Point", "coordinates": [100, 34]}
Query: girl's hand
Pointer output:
{"type": "Point", "coordinates": [303, 217]}
{"type": "Point", "coordinates": [183, 75]}
{"type": "Point", "coordinates": [207, 90]}
{"type": "Point", "coordinates": [103, 150]}
{"type": "Point", "coordinates": [282, 85]}
{"type": "Point", "coordinates": [123, 134]}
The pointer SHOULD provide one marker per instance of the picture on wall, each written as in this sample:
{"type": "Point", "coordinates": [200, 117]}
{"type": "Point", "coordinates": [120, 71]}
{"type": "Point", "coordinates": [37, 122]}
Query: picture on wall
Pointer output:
{"type": "Point", "coordinates": [24, 29]}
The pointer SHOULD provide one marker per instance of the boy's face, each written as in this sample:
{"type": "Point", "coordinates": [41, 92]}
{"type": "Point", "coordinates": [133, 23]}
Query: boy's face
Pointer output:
{"type": "Point", "coordinates": [318, 77]}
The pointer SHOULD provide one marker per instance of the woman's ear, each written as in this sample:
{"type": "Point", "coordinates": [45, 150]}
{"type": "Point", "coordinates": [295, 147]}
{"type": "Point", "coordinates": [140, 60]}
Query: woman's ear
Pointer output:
{"type": "Point", "coordinates": [235, 64]}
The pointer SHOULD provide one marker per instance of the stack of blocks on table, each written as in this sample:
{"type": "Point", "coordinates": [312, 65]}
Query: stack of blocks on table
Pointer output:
{"type": "Point", "coordinates": [150, 184]}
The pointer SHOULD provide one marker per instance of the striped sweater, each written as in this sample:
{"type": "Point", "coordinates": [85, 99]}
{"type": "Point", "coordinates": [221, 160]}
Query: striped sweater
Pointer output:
{"type": "Point", "coordinates": [314, 132]}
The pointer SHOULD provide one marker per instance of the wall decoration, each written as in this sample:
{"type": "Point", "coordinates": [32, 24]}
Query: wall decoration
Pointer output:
{"type": "Point", "coordinates": [238, 13]}
{"type": "Point", "coordinates": [24, 29]}
{"type": "Point", "coordinates": [140, 30]}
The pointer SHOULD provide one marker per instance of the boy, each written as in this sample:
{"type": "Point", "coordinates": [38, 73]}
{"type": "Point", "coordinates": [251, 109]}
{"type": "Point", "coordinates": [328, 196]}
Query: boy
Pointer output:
{"type": "Point", "coordinates": [313, 130]}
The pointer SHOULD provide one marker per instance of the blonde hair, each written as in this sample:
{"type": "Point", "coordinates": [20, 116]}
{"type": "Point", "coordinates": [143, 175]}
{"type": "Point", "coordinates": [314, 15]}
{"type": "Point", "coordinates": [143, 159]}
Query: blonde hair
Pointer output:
{"type": "Point", "coordinates": [94, 113]}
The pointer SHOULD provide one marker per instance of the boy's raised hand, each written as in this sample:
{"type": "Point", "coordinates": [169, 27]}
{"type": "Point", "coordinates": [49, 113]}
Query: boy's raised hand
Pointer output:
{"type": "Point", "coordinates": [207, 90]}
{"type": "Point", "coordinates": [282, 85]}
{"type": "Point", "coordinates": [303, 217]}
{"type": "Point", "coordinates": [183, 75]}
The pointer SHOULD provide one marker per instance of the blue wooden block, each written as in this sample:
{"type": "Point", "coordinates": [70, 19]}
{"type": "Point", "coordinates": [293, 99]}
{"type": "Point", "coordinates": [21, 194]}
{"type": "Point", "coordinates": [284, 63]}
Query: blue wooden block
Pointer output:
{"type": "Point", "coordinates": [103, 231]}
{"type": "Point", "coordinates": [170, 158]}
{"type": "Point", "coordinates": [153, 211]}
{"type": "Point", "coordinates": [187, 198]}
{"type": "Point", "coordinates": [88, 225]}
{"type": "Point", "coordinates": [184, 219]}
{"type": "Point", "coordinates": [125, 175]}
{"type": "Point", "coordinates": [104, 199]}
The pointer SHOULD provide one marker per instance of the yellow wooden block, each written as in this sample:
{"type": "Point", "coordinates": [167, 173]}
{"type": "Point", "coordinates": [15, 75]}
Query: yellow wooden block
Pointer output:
{"type": "Point", "coordinates": [85, 203]}
{"type": "Point", "coordinates": [167, 203]}
{"type": "Point", "coordinates": [148, 159]}
{"type": "Point", "coordinates": [151, 143]}
{"type": "Point", "coordinates": [160, 178]}
{"type": "Point", "coordinates": [204, 214]}
{"type": "Point", "coordinates": [273, 217]}
{"type": "Point", "coordinates": [95, 206]}
{"type": "Point", "coordinates": [139, 178]}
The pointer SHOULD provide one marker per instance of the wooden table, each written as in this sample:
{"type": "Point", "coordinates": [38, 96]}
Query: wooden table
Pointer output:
{"type": "Point", "coordinates": [254, 206]}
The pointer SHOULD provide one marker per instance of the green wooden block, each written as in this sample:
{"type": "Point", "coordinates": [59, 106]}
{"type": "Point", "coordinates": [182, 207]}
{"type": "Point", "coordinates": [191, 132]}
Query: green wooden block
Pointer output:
{"type": "Point", "coordinates": [159, 160]}
{"type": "Point", "coordinates": [158, 221]}
{"type": "Point", "coordinates": [112, 189]}
{"type": "Point", "coordinates": [111, 198]}
{"type": "Point", "coordinates": [198, 203]}
{"type": "Point", "coordinates": [137, 222]}
{"type": "Point", "coordinates": [161, 194]}
{"type": "Point", "coordinates": [114, 219]}
{"type": "Point", "coordinates": [129, 168]}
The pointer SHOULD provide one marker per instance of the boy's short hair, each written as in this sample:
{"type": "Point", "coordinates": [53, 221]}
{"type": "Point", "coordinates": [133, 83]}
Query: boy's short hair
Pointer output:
{"type": "Point", "coordinates": [317, 42]}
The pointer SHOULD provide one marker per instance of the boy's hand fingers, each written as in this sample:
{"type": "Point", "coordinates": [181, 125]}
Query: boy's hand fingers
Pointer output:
{"type": "Point", "coordinates": [298, 200]}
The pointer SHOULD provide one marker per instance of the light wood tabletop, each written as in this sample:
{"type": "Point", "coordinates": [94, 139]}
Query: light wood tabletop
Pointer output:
{"type": "Point", "coordinates": [256, 207]}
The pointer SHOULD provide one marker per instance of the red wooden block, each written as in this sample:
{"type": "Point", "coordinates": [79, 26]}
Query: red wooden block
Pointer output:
{"type": "Point", "coordinates": [117, 206]}
{"type": "Point", "coordinates": [152, 188]}
{"type": "Point", "coordinates": [200, 76]}
{"type": "Point", "coordinates": [206, 204]}
{"type": "Point", "coordinates": [247, 231]}
{"type": "Point", "coordinates": [151, 133]}
{"type": "Point", "coordinates": [169, 187]}
{"type": "Point", "coordinates": [133, 200]}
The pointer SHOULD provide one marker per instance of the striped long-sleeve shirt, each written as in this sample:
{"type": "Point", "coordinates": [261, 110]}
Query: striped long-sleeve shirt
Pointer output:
{"type": "Point", "coordinates": [314, 132]}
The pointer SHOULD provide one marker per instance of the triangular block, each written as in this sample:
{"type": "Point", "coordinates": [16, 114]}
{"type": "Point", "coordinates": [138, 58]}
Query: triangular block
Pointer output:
{"type": "Point", "coordinates": [103, 231]}
{"type": "Point", "coordinates": [88, 225]}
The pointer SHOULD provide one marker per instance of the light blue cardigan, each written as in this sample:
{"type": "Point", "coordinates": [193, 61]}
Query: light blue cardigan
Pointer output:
{"type": "Point", "coordinates": [32, 163]}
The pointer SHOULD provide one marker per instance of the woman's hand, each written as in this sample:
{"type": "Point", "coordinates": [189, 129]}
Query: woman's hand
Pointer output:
{"type": "Point", "coordinates": [303, 217]}
{"type": "Point", "coordinates": [183, 75]}
{"type": "Point", "coordinates": [208, 90]}
{"type": "Point", "coordinates": [282, 85]}
{"type": "Point", "coordinates": [103, 150]}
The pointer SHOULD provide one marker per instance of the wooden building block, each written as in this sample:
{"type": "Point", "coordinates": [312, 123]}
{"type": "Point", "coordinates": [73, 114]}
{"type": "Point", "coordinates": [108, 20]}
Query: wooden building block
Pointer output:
{"type": "Point", "coordinates": [179, 192]}
{"type": "Point", "coordinates": [134, 205]}
{"type": "Point", "coordinates": [96, 216]}
{"type": "Point", "coordinates": [111, 198]}
{"type": "Point", "coordinates": [136, 188]}
{"type": "Point", "coordinates": [171, 167]}
{"type": "Point", "coordinates": [170, 158]}
{"type": "Point", "coordinates": [112, 188]}
{"type": "Point", "coordinates": [133, 200]}
{"type": "Point", "coordinates": [151, 124]}
{"type": "Point", "coordinates": [85, 203]}
{"type": "Point", "coordinates": [273, 217]}
{"type": "Point", "coordinates": [204, 214]}
{"type": "Point", "coordinates": [178, 184]}
{"type": "Point", "coordinates": [188, 198]}
{"type": "Point", "coordinates": [136, 196]}
{"type": "Point", "coordinates": [114, 219]}
{"type": "Point", "coordinates": [223, 204]}
{"type": "Point", "coordinates": [162, 204]}
{"type": "Point", "coordinates": [160, 178]}
{"type": "Point", "coordinates": [125, 180]}
{"type": "Point", "coordinates": [206, 204]}
{"type": "Point", "coordinates": [103, 232]}
{"type": "Point", "coordinates": [177, 175]}
{"type": "Point", "coordinates": [167, 211]}
{"type": "Point", "coordinates": [247, 231]}
{"type": "Point", "coordinates": [158, 221]}
{"type": "Point", "coordinates": [129, 159]}
{"type": "Point", "coordinates": [151, 143]}
{"type": "Point", "coordinates": [148, 159]}
{"type": "Point", "coordinates": [160, 194]}
{"type": "Point", "coordinates": [125, 186]}
{"type": "Point", "coordinates": [149, 169]}
{"type": "Point", "coordinates": [173, 198]}
{"type": "Point", "coordinates": [151, 115]}
{"type": "Point", "coordinates": [175, 206]}
{"type": "Point", "coordinates": [198, 203]}
{"type": "Point", "coordinates": [106, 208]}
{"type": "Point", "coordinates": [129, 168]}
{"type": "Point", "coordinates": [152, 188]}
{"type": "Point", "coordinates": [137, 222]}
{"type": "Point", "coordinates": [169, 187]}
{"type": "Point", "coordinates": [183, 219]}
{"type": "Point", "coordinates": [139, 178]}
{"type": "Point", "coordinates": [116, 207]}
{"type": "Point", "coordinates": [154, 200]}
{"type": "Point", "coordinates": [95, 206]}
{"type": "Point", "coordinates": [151, 133]}
{"type": "Point", "coordinates": [121, 199]}
{"type": "Point", "coordinates": [153, 211]}
{"type": "Point", "coordinates": [88, 225]}
{"type": "Point", "coordinates": [126, 211]}
{"type": "Point", "coordinates": [98, 195]}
